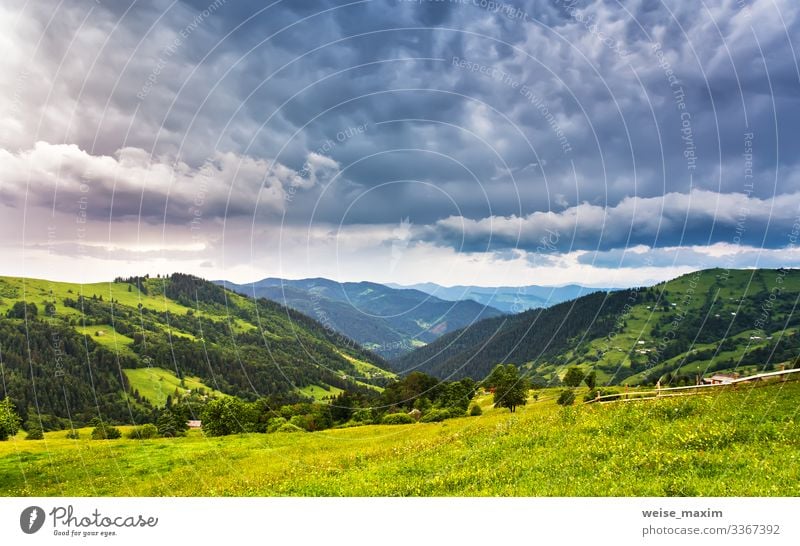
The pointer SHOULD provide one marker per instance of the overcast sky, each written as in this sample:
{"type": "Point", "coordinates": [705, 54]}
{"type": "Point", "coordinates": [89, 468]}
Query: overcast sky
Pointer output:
{"type": "Point", "coordinates": [458, 142]}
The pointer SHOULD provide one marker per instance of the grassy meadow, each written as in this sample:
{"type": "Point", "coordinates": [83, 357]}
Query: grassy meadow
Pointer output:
{"type": "Point", "coordinates": [742, 440]}
{"type": "Point", "coordinates": [156, 384]}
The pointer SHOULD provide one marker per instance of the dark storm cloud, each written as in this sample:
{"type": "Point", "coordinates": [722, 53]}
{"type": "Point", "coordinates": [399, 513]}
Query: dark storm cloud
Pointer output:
{"type": "Point", "coordinates": [674, 219]}
{"type": "Point", "coordinates": [520, 109]}
{"type": "Point", "coordinates": [727, 256]}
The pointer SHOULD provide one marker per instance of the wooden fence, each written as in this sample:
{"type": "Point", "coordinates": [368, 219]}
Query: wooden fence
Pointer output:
{"type": "Point", "coordinates": [689, 390]}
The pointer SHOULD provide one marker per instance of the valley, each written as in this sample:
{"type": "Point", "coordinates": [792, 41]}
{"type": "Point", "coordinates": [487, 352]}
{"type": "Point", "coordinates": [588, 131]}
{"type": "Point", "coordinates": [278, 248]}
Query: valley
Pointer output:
{"type": "Point", "coordinates": [156, 386]}
{"type": "Point", "coordinates": [388, 321]}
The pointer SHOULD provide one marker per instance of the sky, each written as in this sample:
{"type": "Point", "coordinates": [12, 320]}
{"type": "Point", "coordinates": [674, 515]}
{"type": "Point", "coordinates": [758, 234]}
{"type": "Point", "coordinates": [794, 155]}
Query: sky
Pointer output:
{"type": "Point", "coordinates": [470, 142]}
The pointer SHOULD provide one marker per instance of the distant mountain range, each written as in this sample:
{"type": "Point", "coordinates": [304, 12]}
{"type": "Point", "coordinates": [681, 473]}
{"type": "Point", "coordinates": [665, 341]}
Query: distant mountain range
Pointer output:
{"type": "Point", "coordinates": [388, 321]}
{"type": "Point", "coordinates": [509, 299]}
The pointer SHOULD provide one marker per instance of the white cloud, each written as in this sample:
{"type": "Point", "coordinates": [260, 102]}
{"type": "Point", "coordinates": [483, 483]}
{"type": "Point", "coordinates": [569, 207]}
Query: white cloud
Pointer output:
{"type": "Point", "coordinates": [131, 183]}
{"type": "Point", "coordinates": [633, 221]}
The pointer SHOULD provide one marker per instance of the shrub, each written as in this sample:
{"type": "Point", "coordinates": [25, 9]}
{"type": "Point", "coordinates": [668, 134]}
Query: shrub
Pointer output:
{"type": "Point", "coordinates": [9, 420]}
{"type": "Point", "coordinates": [398, 419]}
{"type": "Point", "coordinates": [350, 424]}
{"type": "Point", "coordinates": [274, 424]}
{"type": "Point", "coordinates": [170, 425]}
{"type": "Point", "coordinates": [439, 414]}
{"type": "Point", "coordinates": [594, 393]}
{"type": "Point", "coordinates": [34, 432]}
{"type": "Point", "coordinates": [143, 432]}
{"type": "Point", "coordinates": [22, 310]}
{"type": "Point", "coordinates": [288, 427]}
{"type": "Point", "coordinates": [227, 415]}
{"type": "Point", "coordinates": [475, 410]}
{"type": "Point", "coordinates": [73, 435]}
{"type": "Point", "coordinates": [105, 432]}
{"type": "Point", "coordinates": [316, 420]}
{"type": "Point", "coordinates": [573, 377]}
{"type": "Point", "coordinates": [364, 416]}
{"type": "Point", "coordinates": [591, 380]}
{"type": "Point", "coordinates": [566, 398]}
{"type": "Point", "coordinates": [300, 421]}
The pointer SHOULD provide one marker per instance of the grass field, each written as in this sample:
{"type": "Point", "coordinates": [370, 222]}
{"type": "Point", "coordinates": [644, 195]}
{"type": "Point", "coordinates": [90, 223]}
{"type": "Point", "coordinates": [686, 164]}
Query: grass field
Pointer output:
{"type": "Point", "coordinates": [320, 393]}
{"type": "Point", "coordinates": [106, 335]}
{"type": "Point", "coordinates": [734, 441]}
{"type": "Point", "coordinates": [156, 384]}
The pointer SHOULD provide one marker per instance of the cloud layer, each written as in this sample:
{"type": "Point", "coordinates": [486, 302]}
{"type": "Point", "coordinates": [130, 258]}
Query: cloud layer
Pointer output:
{"type": "Point", "coordinates": [551, 132]}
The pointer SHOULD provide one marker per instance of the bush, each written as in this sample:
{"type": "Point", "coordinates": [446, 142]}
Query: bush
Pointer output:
{"type": "Point", "coordinates": [170, 425]}
{"type": "Point", "coordinates": [227, 415]}
{"type": "Point", "coordinates": [274, 424]}
{"type": "Point", "coordinates": [475, 410]}
{"type": "Point", "coordinates": [106, 432]}
{"type": "Point", "coordinates": [9, 420]}
{"type": "Point", "coordinates": [573, 377]}
{"type": "Point", "coordinates": [316, 420]}
{"type": "Point", "coordinates": [439, 414]}
{"type": "Point", "coordinates": [300, 421]}
{"type": "Point", "coordinates": [144, 432]}
{"type": "Point", "coordinates": [364, 416]}
{"type": "Point", "coordinates": [566, 398]}
{"type": "Point", "coordinates": [22, 310]}
{"type": "Point", "coordinates": [34, 432]}
{"type": "Point", "coordinates": [288, 427]}
{"type": "Point", "coordinates": [73, 435]}
{"type": "Point", "coordinates": [398, 419]}
{"type": "Point", "coordinates": [350, 424]}
{"type": "Point", "coordinates": [594, 393]}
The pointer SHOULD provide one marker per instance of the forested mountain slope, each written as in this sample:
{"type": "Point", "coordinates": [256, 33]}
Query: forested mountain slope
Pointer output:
{"type": "Point", "coordinates": [712, 320]}
{"type": "Point", "coordinates": [67, 349]}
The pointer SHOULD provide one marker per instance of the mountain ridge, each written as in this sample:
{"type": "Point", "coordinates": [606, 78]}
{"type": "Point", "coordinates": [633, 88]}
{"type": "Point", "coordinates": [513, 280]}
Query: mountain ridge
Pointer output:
{"type": "Point", "coordinates": [386, 320]}
{"type": "Point", "coordinates": [510, 299]}
{"type": "Point", "coordinates": [674, 331]}
{"type": "Point", "coordinates": [187, 330]}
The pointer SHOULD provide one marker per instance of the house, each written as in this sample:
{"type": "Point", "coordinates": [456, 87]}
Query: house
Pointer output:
{"type": "Point", "coordinates": [194, 424]}
{"type": "Point", "coordinates": [720, 379]}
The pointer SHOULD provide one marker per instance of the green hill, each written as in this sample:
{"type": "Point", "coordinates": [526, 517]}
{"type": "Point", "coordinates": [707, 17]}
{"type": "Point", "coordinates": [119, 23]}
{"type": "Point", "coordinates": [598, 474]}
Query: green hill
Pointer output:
{"type": "Point", "coordinates": [703, 322]}
{"type": "Point", "coordinates": [156, 384]}
{"type": "Point", "coordinates": [79, 351]}
{"type": "Point", "coordinates": [738, 441]}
